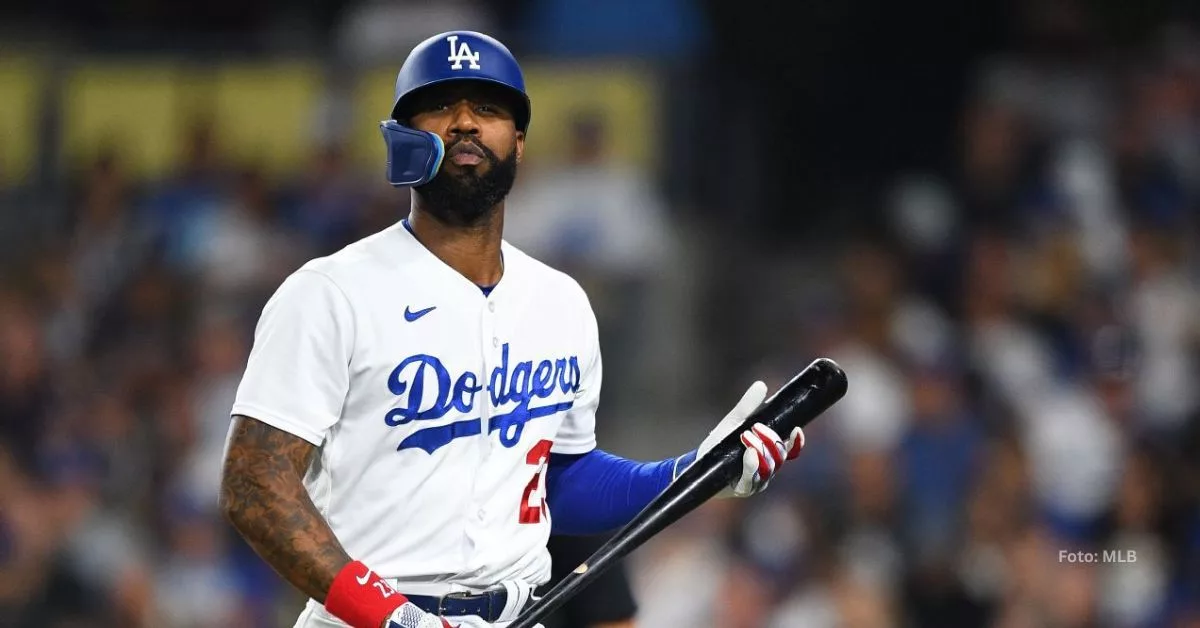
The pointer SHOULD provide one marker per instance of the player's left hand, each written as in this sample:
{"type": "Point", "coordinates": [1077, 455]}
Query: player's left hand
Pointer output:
{"type": "Point", "coordinates": [765, 451]}
{"type": "Point", "coordinates": [407, 615]}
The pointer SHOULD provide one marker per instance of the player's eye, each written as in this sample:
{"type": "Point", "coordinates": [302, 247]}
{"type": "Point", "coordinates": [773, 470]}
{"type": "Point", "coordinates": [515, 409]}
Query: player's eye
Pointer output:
{"type": "Point", "coordinates": [486, 108]}
{"type": "Point", "coordinates": [434, 106]}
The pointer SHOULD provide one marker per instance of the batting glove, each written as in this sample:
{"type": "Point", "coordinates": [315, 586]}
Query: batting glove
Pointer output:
{"type": "Point", "coordinates": [408, 615]}
{"type": "Point", "coordinates": [765, 451]}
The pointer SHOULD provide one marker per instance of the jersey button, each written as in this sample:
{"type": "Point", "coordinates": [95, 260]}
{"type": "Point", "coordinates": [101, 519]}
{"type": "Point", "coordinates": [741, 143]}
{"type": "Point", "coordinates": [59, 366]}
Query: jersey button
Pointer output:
{"type": "Point", "coordinates": [481, 515]}
{"type": "Point", "coordinates": [491, 306]}
{"type": "Point", "coordinates": [495, 342]}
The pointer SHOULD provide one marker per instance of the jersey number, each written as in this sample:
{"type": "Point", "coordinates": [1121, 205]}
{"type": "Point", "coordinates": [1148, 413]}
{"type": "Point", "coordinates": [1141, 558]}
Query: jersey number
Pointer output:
{"type": "Point", "coordinates": [533, 500]}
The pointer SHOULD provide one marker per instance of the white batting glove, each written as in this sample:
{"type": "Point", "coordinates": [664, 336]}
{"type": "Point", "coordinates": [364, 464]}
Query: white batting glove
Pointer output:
{"type": "Point", "coordinates": [765, 451]}
{"type": "Point", "coordinates": [408, 615]}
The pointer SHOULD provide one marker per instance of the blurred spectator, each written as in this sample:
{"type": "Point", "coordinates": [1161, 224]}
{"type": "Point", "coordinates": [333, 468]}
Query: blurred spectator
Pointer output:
{"type": "Point", "coordinates": [590, 213]}
{"type": "Point", "coordinates": [874, 413]}
{"type": "Point", "coordinates": [995, 173]}
{"type": "Point", "coordinates": [937, 463]}
{"type": "Point", "coordinates": [680, 576]}
{"type": "Point", "coordinates": [26, 544]}
{"type": "Point", "coordinates": [182, 202]}
{"type": "Point", "coordinates": [196, 585]}
{"type": "Point", "coordinates": [1135, 592]}
{"type": "Point", "coordinates": [104, 550]}
{"type": "Point", "coordinates": [26, 386]}
{"type": "Point", "coordinates": [326, 204]}
{"type": "Point", "coordinates": [246, 251]}
{"type": "Point", "coordinates": [1163, 304]}
{"type": "Point", "coordinates": [218, 351]}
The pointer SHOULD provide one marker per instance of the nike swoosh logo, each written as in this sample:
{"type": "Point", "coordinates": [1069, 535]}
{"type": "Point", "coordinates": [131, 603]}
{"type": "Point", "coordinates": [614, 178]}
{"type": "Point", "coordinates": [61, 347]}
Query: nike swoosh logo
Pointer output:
{"type": "Point", "coordinates": [362, 582]}
{"type": "Point", "coordinates": [411, 316]}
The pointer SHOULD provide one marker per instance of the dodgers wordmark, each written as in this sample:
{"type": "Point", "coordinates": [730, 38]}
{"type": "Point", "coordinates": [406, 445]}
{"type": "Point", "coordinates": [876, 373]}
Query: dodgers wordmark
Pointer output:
{"type": "Point", "coordinates": [417, 374]}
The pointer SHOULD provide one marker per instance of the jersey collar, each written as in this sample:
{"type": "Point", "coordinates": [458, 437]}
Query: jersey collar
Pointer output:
{"type": "Point", "coordinates": [500, 287]}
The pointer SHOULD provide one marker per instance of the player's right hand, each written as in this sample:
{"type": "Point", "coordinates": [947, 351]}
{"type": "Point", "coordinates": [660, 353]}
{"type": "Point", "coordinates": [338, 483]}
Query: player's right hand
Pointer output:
{"type": "Point", "coordinates": [409, 616]}
{"type": "Point", "coordinates": [765, 452]}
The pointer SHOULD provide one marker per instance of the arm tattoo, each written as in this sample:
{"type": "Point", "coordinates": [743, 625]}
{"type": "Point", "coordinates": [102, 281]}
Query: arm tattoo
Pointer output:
{"type": "Point", "coordinates": [263, 496]}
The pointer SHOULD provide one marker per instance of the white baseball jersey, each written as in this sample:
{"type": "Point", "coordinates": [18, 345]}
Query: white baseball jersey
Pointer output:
{"type": "Point", "coordinates": [435, 407]}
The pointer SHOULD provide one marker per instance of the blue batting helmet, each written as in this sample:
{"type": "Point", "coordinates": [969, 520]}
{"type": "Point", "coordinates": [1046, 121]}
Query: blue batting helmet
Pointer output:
{"type": "Point", "coordinates": [414, 157]}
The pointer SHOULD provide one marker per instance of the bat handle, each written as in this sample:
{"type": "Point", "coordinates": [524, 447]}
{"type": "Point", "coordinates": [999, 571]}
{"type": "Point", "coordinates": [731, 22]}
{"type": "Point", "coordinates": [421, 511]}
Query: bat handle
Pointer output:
{"type": "Point", "coordinates": [693, 487]}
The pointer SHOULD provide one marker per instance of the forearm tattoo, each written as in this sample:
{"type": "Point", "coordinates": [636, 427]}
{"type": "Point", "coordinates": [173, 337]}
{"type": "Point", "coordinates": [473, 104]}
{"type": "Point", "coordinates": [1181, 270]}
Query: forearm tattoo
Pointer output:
{"type": "Point", "coordinates": [263, 496]}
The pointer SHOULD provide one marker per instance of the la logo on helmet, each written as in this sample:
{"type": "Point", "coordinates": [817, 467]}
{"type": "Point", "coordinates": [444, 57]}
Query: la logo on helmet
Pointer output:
{"type": "Point", "coordinates": [460, 54]}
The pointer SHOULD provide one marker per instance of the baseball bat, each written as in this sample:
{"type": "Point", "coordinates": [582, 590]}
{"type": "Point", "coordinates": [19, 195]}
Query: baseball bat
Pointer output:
{"type": "Point", "coordinates": [808, 394]}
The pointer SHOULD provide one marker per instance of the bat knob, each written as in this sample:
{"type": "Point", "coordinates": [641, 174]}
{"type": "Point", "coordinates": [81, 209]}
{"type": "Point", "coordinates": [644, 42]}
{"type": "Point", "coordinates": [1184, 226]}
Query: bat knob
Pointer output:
{"type": "Point", "coordinates": [829, 376]}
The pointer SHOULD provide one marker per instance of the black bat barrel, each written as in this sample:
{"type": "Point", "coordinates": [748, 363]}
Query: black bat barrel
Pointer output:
{"type": "Point", "coordinates": [796, 404]}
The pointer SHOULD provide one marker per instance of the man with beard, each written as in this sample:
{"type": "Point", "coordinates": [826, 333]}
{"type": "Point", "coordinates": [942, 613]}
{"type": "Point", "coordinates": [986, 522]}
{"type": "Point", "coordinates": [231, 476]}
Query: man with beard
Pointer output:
{"type": "Point", "coordinates": [416, 405]}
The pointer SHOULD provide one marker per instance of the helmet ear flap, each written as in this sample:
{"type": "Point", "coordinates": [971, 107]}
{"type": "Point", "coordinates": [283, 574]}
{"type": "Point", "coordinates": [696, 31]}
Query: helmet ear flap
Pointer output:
{"type": "Point", "coordinates": [413, 157]}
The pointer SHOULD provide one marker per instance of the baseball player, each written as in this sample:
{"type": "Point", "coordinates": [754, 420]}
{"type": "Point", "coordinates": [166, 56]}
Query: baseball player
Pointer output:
{"type": "Point", "coordinates": [417, 412]}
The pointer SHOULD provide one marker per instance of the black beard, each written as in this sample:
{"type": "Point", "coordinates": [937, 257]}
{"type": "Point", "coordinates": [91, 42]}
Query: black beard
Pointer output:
{"type": "Point", "coordinates": [467, 199]}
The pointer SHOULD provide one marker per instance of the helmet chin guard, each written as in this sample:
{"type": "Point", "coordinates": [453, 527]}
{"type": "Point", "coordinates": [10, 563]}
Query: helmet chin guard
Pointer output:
{"type": "Point", "coordinates": [413, 157]}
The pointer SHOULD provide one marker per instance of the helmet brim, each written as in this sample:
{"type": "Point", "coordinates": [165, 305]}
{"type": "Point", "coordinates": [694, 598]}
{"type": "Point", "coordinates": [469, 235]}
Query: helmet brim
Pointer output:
{"type": "Point", "coordinates": [401, 111]}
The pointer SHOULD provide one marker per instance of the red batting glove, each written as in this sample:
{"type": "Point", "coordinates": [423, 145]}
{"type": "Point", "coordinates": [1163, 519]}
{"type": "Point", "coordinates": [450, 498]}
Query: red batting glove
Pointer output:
{"type": "Point", "coordinates": [764, 456]}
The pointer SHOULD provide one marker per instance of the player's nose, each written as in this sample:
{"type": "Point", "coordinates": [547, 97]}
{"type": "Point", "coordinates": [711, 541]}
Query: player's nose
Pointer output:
{"type": "Point", "coordinates": [462, 119]}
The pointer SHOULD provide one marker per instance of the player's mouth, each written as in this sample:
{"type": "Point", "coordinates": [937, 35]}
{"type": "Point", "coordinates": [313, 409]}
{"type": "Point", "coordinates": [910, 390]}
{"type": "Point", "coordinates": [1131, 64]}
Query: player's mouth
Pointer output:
{"type": "Point", "coordinates": [466, 154]}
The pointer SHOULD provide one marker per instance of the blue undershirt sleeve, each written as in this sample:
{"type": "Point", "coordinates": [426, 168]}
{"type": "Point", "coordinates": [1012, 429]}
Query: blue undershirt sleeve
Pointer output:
{"type": "Point", "coordinates": [597, 492]}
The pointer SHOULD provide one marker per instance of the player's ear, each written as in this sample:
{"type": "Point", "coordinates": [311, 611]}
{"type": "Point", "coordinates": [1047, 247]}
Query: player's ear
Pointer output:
{"type": "Point", "coordinates": [520, 145]}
